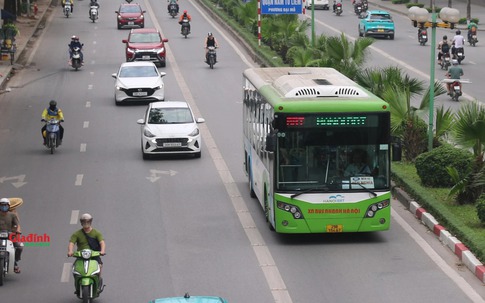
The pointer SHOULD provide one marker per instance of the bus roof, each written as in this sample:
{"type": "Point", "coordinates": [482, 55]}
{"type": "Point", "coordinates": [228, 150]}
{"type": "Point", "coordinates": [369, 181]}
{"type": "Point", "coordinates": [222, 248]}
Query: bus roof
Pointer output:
{"type": "Point", "coordinates": [297, 87]}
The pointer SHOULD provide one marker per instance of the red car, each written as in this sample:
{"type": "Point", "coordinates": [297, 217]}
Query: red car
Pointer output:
{"type": "Point", "coordinates": [130, 15]}
{"type": "Point", "coordinates": [146, 44]}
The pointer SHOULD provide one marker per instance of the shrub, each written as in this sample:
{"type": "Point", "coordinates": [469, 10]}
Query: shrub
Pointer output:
{"type": "Point", "coordinates": [400, 1]}
{"type": "Point", "coordinates": [462, 21]}
{"type": "Point", "coordinates": [431, 166]}
{"type": "Point", "coordinates": [475, 20]}
{"type": "Point", "coordinates": [409, 5]}
{"type": "Point", "coordinates": [481, 208]}
{"type": "Point", "coordinates": [436, 9]}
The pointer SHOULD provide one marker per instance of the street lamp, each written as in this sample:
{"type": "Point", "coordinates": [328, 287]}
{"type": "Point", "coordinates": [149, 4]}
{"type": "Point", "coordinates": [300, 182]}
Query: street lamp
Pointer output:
{"type": "Point", "coordinates": [419, 17]}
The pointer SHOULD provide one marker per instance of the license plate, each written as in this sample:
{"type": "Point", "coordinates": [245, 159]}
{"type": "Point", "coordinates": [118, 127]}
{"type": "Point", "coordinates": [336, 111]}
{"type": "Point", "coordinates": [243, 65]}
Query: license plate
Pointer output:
{"type": "Point", "coordinates": [172, 144]}
{"type": "Point", "coordinates": [139, 94]}
{"type": "Point", "coordinates": [334, 228]}
{"type": "Point", "coordinates": [145, 57]}
{"type": "Point", "coordinates": [424, 36]}
{"type": "Point", "coordinates": [460, 54]}
{"type": "Point", "coordinates": [131, 22]}
{"type": "Point", "coordinates": [457, 88]}
{"type": "Point", "coordinates": [380, 30]}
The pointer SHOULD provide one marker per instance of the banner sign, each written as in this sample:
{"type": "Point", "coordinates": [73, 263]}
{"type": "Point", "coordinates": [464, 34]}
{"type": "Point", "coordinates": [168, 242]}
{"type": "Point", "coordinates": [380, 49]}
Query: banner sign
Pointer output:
{"type": "Point", "coordinates": [277, 7]}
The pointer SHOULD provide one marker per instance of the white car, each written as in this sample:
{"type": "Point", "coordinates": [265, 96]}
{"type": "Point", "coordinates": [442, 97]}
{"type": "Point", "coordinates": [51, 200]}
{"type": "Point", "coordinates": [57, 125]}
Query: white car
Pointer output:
{"type": "Point", "coordinates": [170, 128]}
{"type": "Point", "coordinates": [139, 81]}
{"type": "Point", "coordinates": [319, 4]}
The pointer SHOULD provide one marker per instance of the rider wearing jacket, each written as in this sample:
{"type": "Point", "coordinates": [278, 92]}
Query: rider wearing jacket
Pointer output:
{"type": "Point", "coordinates": [170, 2]}
{"type": "Point", "coordinates": [75, 43]}
{"type": "Point", "coordinates": [53, 112]}
{"type": "Point", "coordinates": [70, 1]}
{"type": "Point", "coordinates": [185, 15]}
{"type": "Point", "coordinates": [10, 222]}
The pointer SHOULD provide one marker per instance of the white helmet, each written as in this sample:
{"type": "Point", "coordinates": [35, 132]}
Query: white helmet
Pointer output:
{"type": "Point", "coordinates": [5, 201]}
{"type": "Point", "coordinates": [86, 218]}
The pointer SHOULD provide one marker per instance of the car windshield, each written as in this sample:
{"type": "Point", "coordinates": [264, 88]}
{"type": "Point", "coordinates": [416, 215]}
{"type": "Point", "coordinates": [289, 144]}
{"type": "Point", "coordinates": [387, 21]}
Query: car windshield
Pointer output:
{"type": "Point", "coordinates": [145, 38]}
{"type": "Point", "coordinates": [170, 116]}
{"type": "Point", "coordinates": [381, 17]}
{"type": "Point", "coordinates": [130, 9]}
{"type": "Point", "coordinates": [138, 71]}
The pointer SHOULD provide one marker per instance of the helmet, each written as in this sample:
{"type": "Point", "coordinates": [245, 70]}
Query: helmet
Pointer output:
{"type": "Point", "coordinates": [209, 34]}
{"type": "Point", "coordinates": [53, 103]}
{"type": "Point", "coordinates": [185, 11]}
{"type": "Point", "coordinates": [86, 218]}
{"type": "Point", "coordinates": [5, 201]}
{"type": "Point", "coordinates": [458, 32]}
{"type": "Point", "coordinates": [445, 37]}
{"type": "Point", "coordinates": [74, 37]}
{"type": "Point", "coordinates": [454, 61]}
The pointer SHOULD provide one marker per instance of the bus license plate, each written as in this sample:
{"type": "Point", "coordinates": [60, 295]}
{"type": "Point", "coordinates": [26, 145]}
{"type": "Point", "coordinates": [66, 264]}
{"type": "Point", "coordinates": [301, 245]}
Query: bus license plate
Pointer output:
{"type": "Point", "coordinates": [334, 228]}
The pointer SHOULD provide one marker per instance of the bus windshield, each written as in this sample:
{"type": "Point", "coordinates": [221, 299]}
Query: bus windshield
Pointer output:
{"type": "Point", "coordinates": [322, 153]}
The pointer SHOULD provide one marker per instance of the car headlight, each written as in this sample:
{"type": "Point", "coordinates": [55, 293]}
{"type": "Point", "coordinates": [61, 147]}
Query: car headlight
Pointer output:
{"type": "Point", "coordinates": [148, 133]}
{"type": "Point", "coordinates": [141, 17]}
{"type": "Point", "coordinates": [157, 87]}
{"type": "Point", "coordinates": [194, 133]}
{"type": "Point", "coordinates": [130, 50]}
{"type": "Point", "coordinates": [119, 17]}
{"type": "Point", "coordinates": [160, 50]}
{"type": "Point", "coordinates": [120, 88]}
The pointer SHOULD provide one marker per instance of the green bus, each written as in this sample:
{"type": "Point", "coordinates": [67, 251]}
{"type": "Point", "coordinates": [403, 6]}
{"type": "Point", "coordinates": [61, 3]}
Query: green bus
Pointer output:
{"type": "Point", "coordinates": [316, 150]}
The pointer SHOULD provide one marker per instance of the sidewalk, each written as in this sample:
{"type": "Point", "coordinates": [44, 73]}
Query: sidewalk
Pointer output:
{"type": "Point", "coordinates": [27, 27]}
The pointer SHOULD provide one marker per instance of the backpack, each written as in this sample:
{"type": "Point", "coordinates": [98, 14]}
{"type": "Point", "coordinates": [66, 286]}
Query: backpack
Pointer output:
{"type": "Point", "coordinates": [445, 48]}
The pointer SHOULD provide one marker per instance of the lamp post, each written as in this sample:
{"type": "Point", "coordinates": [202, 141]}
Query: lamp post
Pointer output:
{"type": "Point", "coordinates": [419, 17]}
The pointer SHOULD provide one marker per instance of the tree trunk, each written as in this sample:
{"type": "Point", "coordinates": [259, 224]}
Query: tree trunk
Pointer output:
{"type": "Point", "coordinates": [469, 10]}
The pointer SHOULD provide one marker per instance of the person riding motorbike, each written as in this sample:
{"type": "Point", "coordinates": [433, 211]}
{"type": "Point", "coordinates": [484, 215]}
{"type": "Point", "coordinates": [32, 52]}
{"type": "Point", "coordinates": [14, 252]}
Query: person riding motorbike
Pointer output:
{"type": "Point", "coordinates": [458, 42]}
{"type": "Point", "coordinates": [210, 40]}
{"type": "Point", "coordinates": [185, 15]}
{"type": "Point", "coordinates": [75, 43]}
{"type": "Point", "coordinates": [53, 112]}
{"type": "Point", "coordinates": [70, 1]}
{"type": "Point", "coordinates": [170, 2]}
{"type": "Point", "coordinates": [443, 48]}
{"type": "Point", "coordinates": [472, 30]}
{"type": "Point", "coordinates": [335, 4]}
{"type": "Point", "coordinates": [455, 72]}
{"type": "Point", "coordinates": [80, 239]}
{"type": "Point", "coordinates": [10, 222]}
{"type": "Point", "coordinates": [93, 3]}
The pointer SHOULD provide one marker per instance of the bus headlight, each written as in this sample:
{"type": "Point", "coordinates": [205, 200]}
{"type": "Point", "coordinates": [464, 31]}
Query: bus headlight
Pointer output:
{"type": "Point", "coordinates": [374, 208]}
{"type": "Point", "coordinates": [294, 210]}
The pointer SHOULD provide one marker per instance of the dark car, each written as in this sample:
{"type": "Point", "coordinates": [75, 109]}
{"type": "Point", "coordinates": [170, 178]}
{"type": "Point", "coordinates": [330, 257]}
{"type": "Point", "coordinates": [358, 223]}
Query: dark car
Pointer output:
{"type": "Point", "coordinates": [130, 15]}
{"type": "Point", "coordinates": [146, 44]}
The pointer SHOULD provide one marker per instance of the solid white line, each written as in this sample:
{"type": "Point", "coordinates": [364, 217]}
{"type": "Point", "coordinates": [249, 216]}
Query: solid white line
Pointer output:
{"type": "Point", "coordinates": [448, 270]}
{"type": "Point", "coordinates": [83, 147]}
{"type": "Point", "coordinates": [86, 124]}
{"type": "Point", "coordinates": [66, 272]}
{"type": "Point", "coordinates": [74, 216]}
{"type": "Point", "coordinates": [270, 270]}
{"type": "Point", "coordinates": [79, 180]}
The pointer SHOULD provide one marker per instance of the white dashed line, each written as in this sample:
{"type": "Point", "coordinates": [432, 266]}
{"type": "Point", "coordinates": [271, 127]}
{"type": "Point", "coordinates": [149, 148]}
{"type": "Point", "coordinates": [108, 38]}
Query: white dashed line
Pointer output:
{"type": "Point", "coordinates": [86, 124]}
{"type": "Point", "coordinates": [83, 147]}
{"type": "Point", "coordinates": [74, 216]}
{"type": "Point", "coordinates": [79, 180]}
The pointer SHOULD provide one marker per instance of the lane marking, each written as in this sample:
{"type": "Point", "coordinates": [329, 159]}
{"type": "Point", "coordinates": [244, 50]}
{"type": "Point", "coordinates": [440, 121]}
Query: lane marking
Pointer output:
{"type": "Point", "coordinates": [66, 272]}
{"type": "Point", "coordinates": [86, 124]}
{"type": "Point", "coordinates": [74, 217]}
{"type": "Point", "coordinates": [88, 104]}
{"type": "Point", "coordinates": [83, 147]}
{"type": "Point", "coordinates": [90, 86]}
{"type": "Point", "coordinates": [447, 269]}
{"type": "Point", "coordinates": [79, 180]}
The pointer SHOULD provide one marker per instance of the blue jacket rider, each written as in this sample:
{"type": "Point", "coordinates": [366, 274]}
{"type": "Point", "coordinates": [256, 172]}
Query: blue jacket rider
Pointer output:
{"type": "Point", "coordinates": [75, 43]}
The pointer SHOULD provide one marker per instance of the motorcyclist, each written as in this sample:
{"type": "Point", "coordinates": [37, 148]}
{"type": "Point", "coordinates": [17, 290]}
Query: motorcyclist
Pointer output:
{"type": "Point", "coordinates": [454, 72]}
{"type": "Point", "coordinates": [170, 2]}
{"type": "Point", "coordinates": [53, 112]}
{"type": "Point", "coordinates": [75, 43]}
{"type": "Point", "coordinates": [10, 222]}
{"type": "Point", "coordinates": [443, 48]}
{"type": "Point", "coordinates": [93, 3]}
{"type": "Point", "coordinates": [70, 1]}
{"type": "Point", "coordinates": [472, 29]}
{"type": "Point", "coordinates": [80, 239]}
{"type": "Point", "coordinates": [185, 15]}
{"type": "Point", "coordinates": [335, 4]}
{"type": "Point", "coordinates": [210, 40]}
{"type": "Point", "coordinates": [458, 42]}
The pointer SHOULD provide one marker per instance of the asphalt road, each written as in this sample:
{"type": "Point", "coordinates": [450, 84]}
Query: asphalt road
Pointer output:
{"type": "Point", "coordinates": [173, 225]}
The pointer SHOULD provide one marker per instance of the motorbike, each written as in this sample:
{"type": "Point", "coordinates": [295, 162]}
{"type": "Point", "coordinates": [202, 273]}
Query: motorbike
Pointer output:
{"type": "Point", "coordinates": [338, 9]}
{"type": "Point", "coordinates": [185, 27]}
{"type": "Point", "coordinates": [7, 255]}
{"type": "Point", "coordinates": [67, 9]}
{"type": "Point", "coordinates": [76, 62]}
{"type": "Point", "coordinates": [422, 36]}
{"type": "Point", "coordinates": [358, 9]}
{"type": "Point", "coordinates": [445, 61]}
{"type": "Point", "coordinates": [86, 270]}
{"type": "Point", "coordinates": [211, 56]}
{"type": "Point", "coordinates": [365, 6]}
{"type": "Point", "coordinates": [455, 90]}
{"type": "Point", "coordinates": [459, 54]}
{"type": "Point", "coordinates": [52, 134]}
{"type": "Point", "coordinates": [173, 10]}
{"type": "Point", "coordinates": [93, 13]}
{"type": "Point", "coordinates": [472, 36]}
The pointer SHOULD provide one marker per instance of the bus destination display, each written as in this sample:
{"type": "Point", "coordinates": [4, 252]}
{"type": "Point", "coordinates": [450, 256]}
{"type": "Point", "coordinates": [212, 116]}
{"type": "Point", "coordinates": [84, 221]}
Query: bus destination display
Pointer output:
{"type": "Point", "coordinates": [331, 121]}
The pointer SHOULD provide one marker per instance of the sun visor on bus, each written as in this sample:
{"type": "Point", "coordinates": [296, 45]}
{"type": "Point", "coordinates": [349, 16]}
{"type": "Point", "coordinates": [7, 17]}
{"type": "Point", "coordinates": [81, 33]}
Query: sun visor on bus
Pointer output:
{"type": "Point", "coordinates": [304, 86]}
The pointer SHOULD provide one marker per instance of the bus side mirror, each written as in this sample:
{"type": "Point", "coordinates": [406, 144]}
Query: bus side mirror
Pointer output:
{"type": "Point", "coordinates": [271, 142]}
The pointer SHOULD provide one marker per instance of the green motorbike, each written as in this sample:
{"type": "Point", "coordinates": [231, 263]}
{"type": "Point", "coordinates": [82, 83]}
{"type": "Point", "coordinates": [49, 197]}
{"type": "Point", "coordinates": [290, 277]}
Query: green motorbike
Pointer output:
{"type": "Point", "coordinates": [86, 270]}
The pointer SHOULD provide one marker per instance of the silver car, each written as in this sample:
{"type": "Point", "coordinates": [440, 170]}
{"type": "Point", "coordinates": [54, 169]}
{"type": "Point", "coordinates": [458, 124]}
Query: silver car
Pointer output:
{"type": "Point", "coordinates": [139, 81]}
{"type": "Point", "coordinates": [170, 128]}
